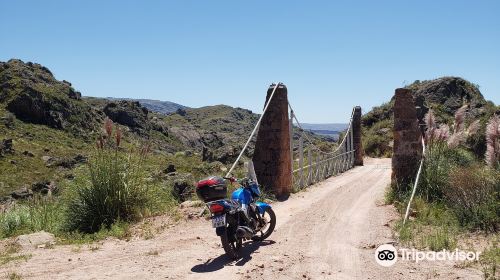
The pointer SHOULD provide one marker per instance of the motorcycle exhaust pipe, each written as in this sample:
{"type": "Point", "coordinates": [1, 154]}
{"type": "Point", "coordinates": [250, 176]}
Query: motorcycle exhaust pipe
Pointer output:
{"type": "Point", "coordinates": [244, 232]}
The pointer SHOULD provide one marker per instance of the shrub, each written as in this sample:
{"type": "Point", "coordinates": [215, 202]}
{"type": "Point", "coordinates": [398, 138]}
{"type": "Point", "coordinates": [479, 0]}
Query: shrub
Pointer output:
{"type": "Point", "coordinates": [460, 157]}
{"type": "Point", "coordinates": [434, 226]}
{"type": "Point", "coordinates": [35, 215]}
{"type": "Point", "coordinates": [114, 189]}
{"type": "Point", "coordinates": [490, 259]}
{"type": "Point", "coordinates": [474, 196]}
{"type": "Point", "coordinates": [377, 145]}
{"type": "Point", "coordinates": [435, 171]}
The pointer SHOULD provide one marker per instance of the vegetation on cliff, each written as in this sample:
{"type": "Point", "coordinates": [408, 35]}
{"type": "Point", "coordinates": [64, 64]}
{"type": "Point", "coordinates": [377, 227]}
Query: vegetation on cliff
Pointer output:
{"type": "Point", "coordinates": [444, 96]}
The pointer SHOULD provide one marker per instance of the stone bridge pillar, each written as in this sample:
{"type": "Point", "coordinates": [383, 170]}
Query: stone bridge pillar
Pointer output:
{"type": "Point", "coordinates": [271, 158]}
{"type": "Point", "coordinates": [407, 151]}
{"type": "Point", "coordinates": [356, 136]}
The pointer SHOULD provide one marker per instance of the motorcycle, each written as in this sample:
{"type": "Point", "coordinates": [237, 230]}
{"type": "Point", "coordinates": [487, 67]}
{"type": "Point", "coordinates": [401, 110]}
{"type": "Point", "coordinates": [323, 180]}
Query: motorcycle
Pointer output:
{"type": "Point", "coordinates": [240, 218]}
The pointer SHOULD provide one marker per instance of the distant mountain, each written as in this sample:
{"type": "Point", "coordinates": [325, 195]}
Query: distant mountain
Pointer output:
{"type": "Point", "coordinates": [326, 129]}
{"type": "Point", "coordinates": [162, 107]}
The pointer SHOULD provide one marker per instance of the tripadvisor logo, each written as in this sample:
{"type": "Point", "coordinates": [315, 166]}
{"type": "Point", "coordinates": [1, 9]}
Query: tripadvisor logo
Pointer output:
{"type": "Point", "coordinates": [387, 255]}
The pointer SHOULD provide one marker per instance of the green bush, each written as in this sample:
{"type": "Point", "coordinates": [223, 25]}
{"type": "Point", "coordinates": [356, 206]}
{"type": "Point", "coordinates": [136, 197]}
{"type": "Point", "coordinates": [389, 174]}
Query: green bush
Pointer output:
{"type": "Point", "coordinates": [376, 145]}
{"type": "Point", "coordinates": [114, 188]}
{"type": "Point", "coordinates": [460, 157]}
{"type": "Point", "coordinates": [490, 260]}
{"type": "Point", "coordinates": [474, 196]}
{"type": "Point", "coordinates": [376, 139]}
{"type": "Point", "coordinates": [34, 215]}
{"type": "Point", "coordinates": [432, 226]}
{"type": "Point", "coordinates": [435, 172]}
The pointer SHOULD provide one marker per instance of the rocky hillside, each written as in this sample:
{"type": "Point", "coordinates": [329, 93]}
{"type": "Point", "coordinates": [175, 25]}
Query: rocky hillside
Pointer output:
{"type": "Point", "coordinates": [47, 130]}
{"type": "Point", "coordinates": [162, 107]}
{"type": "Point", "coordinates": [443, 95]}
{"type": "Point", "coordinates": [32, 94]}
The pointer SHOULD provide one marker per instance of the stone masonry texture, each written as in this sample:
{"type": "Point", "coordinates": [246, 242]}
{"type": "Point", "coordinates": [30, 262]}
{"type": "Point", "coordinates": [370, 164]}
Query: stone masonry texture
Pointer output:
{"type": "Point", "coordinates": [407, 151]}
{"type": "Point", "coordinates": [272, 159]}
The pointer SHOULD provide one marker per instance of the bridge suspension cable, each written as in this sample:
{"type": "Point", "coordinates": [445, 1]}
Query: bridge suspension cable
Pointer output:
{"type": "Point", "coordinates": [321, 164]}
{"type": "Point", "coordinates": [253, 131]}
{"type": "Point", "coordinates": [312, 143]}
{"type": "Point", "coordinates": [324, 164]}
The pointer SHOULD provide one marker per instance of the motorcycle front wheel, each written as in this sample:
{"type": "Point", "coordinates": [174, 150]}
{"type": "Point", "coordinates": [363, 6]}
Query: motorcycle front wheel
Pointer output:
{"type": "Point", "coordinates": [270, 222]}
{"type": "Point", "coordinates": [230, 243]}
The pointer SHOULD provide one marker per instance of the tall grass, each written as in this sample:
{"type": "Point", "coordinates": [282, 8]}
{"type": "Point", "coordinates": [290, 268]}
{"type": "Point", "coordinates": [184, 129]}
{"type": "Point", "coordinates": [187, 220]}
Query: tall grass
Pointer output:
{"type": "Point", "coordinates": [474, 196]}
{"type": "Point", "coordinates": [39, 213]}
{"type": "Point", "coordinates": [492, 155]}
{"type": "Point", "coordinates": [457, 191]}
{"type": "Point", "coordinates": [114, 188]}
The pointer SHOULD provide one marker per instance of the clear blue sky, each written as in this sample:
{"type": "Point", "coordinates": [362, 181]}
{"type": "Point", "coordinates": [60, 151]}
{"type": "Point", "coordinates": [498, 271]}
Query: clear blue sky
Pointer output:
{"type": "Point", "coordinates": [332, 55]}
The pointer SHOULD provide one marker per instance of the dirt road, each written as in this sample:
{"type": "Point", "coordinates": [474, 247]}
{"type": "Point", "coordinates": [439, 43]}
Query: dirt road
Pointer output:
{"type": "Point", "coordinates": [327, 232]}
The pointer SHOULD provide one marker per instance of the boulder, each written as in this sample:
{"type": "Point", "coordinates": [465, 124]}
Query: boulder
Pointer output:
{"type": "Point", "coordinates": [181, 112]}
{"type": "Point", "coordinates": [6, 203]}
{"type": "Point", "coordinates": [22, 193]}
{"type": "Point", "coordinates": [47, 159]}
{"type": "Point", "coordinates": [33, 240]}
{"type": "Point", "coordinates": [159, 125]}
{"type": "Point", "coordinates": [64, 162]}
{"type": "Point", "coordinates": [8, 120]}
{"type": "Point", "coordinates": [182, 185]}
{"type": "Point", "coordinates": [28, 154]}
{"type": "Point", "coordinates": [6, 147]}
{"type": "Point", "coordinates": [170, 168]}
{"type": "Point", "coordinates": [44, 187]}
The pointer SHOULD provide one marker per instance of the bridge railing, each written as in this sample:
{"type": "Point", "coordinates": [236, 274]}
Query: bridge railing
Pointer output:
{"type": "Point", "coordinates": [311, 164]}
{"type": "Point", "coordinates": [282, 176]}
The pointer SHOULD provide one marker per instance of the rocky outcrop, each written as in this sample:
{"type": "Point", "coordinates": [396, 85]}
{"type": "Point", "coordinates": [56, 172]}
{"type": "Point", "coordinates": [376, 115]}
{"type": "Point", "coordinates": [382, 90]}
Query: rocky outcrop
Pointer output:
{"type": "Point", "coordinates": [22, 193]}
{"type": "Point", "coordinates": [128, 113]}
{"type": "Point", "coordinates": [67, 162]}
{"type": "Point", "coordinates": [33, 95]}
{"type": "Point", "coordinates": [6, 147]}
{"type": "Point", "coordinates": [7, 120]}
{"type": "Point", "coordinates": [35, 240]}
{"type": "Point", "coordinates": [450, 92]}
{"type": "Point", "coordinates": [45, 187]}
{"type": "Point", "coordinates": [181, 184]}
{"type": "Point", "coordinates": [42, 187]}
{"type": "Point", "coordinates": [30, 106]}
{"type": "Point", "coordinates": [444, 95]}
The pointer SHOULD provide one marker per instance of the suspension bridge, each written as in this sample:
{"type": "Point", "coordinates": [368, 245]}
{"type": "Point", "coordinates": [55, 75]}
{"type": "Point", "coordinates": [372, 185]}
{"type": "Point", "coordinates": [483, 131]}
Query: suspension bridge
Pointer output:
{"type": "Point", "coordinates": [282, 168]}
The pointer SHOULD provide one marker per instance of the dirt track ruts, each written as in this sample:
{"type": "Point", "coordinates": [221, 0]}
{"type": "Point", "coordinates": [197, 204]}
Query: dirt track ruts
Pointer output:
{"type": "Point", "coordinates": [329, 231]}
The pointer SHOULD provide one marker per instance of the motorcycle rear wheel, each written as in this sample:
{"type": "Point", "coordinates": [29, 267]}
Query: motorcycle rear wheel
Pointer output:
{"type": "Point", "coordinates": [231, 244]}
